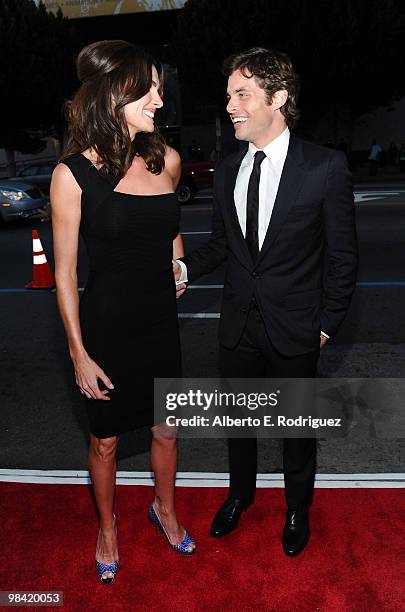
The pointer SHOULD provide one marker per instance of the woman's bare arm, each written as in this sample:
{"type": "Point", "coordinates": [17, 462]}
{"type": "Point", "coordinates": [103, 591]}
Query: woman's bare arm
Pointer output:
{"type": "Point", "coordinates": [178, 247]}
{"type": "Point", "coordinates": [173, 167]}
{"type": "Point", "coordinates": [66, 212]}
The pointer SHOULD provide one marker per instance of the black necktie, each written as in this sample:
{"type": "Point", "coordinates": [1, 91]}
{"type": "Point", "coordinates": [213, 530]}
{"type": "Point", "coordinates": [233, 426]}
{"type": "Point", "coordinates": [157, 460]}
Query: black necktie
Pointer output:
{"type": "Point", "coordinates": [252, 208]}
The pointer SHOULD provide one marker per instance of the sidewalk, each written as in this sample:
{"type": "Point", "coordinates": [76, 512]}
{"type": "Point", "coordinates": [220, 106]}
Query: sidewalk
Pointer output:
{"type": "Point", "coordinates": [385, 174]}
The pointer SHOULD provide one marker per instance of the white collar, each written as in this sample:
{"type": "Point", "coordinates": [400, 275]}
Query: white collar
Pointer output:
{"type": "Point", "coordinates": [274, 151]}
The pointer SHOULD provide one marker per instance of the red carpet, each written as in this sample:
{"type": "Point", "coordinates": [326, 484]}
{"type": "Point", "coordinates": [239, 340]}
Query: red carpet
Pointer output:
{"type": "Point", "coordinates": [355, 560]}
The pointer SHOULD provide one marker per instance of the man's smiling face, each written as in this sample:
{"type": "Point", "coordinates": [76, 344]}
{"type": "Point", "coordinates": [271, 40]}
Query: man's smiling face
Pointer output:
{"type": "Point", "coordinates": [254, 119]}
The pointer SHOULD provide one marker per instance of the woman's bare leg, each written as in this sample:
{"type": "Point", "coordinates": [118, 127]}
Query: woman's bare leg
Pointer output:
{"type": "Point", "coordinates": [164, 465]}
{"type": "Point", "coordinates": [102, 468]}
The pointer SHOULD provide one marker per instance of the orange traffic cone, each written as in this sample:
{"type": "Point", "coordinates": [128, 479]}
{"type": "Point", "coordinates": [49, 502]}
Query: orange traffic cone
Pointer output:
{"type": "Point", "coordinates": [41, 272]}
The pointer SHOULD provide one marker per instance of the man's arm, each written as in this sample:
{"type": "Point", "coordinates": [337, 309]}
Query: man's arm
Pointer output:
{"type": "Point", "coordinates": [213, 253]}
{"type": "Point", "coordinates": [342, 255]}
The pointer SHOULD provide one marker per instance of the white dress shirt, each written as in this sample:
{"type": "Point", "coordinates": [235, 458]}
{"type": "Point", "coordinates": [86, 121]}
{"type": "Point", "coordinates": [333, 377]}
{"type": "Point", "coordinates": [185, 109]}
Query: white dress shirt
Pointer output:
{"type": "Point", "coordinates": [270, 174]}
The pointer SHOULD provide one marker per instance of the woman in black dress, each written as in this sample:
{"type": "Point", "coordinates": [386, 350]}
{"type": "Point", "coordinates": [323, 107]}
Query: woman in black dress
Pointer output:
{"type": "Point", "coordinates": [116, 187]}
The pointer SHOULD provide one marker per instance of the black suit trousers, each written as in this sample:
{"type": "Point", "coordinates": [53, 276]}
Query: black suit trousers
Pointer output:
{"type": "Point", "coordinates": [255, 357]}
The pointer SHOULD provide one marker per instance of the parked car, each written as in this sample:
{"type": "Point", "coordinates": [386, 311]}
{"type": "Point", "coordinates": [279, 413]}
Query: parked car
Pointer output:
{"type": "Point", "coordinates": [19, 200]}
{"type": "Point", "coordinates": [195, 175]}
{"type": "Point", "coordinates": [38, 174]}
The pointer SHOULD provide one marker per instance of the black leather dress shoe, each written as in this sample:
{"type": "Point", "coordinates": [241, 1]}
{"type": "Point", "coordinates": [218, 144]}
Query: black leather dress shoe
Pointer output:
{"type": "Point", "coordinates": [227, 517]}
{"type": "Point", "coordinates": [296, 532]}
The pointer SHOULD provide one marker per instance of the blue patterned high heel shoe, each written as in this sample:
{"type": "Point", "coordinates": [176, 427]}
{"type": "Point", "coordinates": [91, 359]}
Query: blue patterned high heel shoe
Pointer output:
{"type": "Point", "coordinates": [106, 571]}
{"type": "Point", "coordinates": [183, 546]}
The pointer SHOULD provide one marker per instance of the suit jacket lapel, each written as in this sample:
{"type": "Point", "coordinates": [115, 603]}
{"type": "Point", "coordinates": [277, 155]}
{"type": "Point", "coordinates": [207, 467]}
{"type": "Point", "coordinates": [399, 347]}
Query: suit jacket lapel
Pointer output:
{"type": "Point", "coordinates": [230, 181]}
{"type": "Point", "coordinates": [289, 187]}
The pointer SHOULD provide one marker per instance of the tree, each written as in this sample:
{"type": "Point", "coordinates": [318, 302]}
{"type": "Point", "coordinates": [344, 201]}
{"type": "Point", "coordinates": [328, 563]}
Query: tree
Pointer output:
{"type": "Point", "coordinates": [37, 51]}
{"type": "Point", "coordinates": [346, 51]}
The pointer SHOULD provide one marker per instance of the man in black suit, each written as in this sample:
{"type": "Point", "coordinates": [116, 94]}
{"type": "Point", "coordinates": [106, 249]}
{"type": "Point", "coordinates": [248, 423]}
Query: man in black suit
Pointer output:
{"type": "Point", "coordinates": [284, 220]}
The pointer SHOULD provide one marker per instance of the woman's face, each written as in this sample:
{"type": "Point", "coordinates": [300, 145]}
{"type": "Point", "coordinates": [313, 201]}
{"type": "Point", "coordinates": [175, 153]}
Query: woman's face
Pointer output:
{"type": "Point", "coordinates": [140, 114]}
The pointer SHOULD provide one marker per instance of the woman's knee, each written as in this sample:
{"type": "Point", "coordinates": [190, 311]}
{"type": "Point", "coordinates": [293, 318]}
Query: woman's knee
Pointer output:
{"type": "Point", "coordinates": [164, 434]}
{"type": "Point", "coordinates": [105, 448]}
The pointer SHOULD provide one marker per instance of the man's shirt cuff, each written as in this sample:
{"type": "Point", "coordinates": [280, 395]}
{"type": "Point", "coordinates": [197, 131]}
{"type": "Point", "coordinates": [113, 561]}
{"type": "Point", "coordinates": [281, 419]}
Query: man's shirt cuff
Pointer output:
{"type": "Point", "coordinates": [322, 333]}
{"type": "Point", "coordinates": [183, 276]}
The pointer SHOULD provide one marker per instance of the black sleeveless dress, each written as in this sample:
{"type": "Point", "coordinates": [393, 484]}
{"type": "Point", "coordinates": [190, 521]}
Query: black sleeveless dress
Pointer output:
{"type": "Point", "coordinates": [128, 311]}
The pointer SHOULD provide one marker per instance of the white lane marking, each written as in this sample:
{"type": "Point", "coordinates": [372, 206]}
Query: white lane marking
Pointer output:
{"type": "Point", "coordinates": [366, 196]}
{"type": "Point", "coordinates": [198, 315]}
{"type": "Point", "coordinates": [207, 479]}
{"type": "Point", "coordinates": [191, 315]}
{"type": "Point", "coordinates": [190, 287]}
{"type": "Point", "coordinates": [206, 287]}
{"type": "Point", "coordinates": [359, 197]}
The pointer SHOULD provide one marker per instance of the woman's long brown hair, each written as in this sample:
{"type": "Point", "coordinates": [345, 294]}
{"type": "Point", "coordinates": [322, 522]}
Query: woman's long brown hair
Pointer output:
{"type": "Point", "coordinates": [113, 73]}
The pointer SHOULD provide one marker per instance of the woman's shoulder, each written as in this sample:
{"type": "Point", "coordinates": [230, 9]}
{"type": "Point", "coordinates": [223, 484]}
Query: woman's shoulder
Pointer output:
{"type": "Point", "coordinates": [73, 167]}
{"type": "Point", "coordinates": [172, 156]}
{"type": "Point", "coordinates": [172, 161]}
{"type": "Point", "coordinates": [62, 170]}
{"type": "Point", "coordinates": [64, 181]}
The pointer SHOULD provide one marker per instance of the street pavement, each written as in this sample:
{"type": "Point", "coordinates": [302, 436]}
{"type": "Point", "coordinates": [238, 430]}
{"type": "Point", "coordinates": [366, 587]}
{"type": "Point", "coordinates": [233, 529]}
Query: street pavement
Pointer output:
{"type": "Point", "coordinates": [43, 425]}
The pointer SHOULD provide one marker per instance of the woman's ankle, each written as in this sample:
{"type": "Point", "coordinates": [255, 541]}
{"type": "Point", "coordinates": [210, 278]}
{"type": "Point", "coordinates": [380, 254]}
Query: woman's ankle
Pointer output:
{"type": "Point", "coordinates": [108, 525]}
{"type": "Point", "coordinates": [163, 509]}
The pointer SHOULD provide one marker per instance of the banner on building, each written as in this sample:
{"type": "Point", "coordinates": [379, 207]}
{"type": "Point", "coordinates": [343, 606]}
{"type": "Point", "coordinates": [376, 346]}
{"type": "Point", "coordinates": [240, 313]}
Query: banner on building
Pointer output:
{"type": "Point", "coordinates": [95, 8]}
